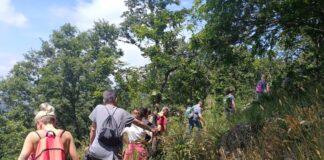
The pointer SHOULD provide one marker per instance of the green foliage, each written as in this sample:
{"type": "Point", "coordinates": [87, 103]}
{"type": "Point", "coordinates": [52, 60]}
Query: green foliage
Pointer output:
{"type": "Point", "coordinates": [68, 71]}
{"type": "Point", "coordinates": [232, 44]}
{"type": "Point", "coordinates": [291, 126]}
{"type": "Point", "coordinates": [201, 144]}
{"type": "Point", "coordinates": [12, 133]}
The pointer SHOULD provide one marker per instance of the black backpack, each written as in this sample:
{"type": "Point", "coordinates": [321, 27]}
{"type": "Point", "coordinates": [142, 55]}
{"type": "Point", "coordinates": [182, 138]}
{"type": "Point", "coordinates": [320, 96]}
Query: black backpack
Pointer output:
{"type": "Point", "coordinates": [110, 136]}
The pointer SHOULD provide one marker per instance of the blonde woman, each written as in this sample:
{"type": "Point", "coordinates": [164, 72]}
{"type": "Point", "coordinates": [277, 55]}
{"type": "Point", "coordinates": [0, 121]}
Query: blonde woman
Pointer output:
{"type": "Point", "coordinates": [48, 142]}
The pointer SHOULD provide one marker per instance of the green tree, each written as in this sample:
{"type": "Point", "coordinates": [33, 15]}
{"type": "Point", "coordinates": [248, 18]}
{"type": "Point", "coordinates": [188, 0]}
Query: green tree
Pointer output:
{"type": "Point", "coordinates": [69, 71]}
{"type": "Point", "coordinates": [272, 29]}
{"type": "Point", "coordinates": [158, 32]}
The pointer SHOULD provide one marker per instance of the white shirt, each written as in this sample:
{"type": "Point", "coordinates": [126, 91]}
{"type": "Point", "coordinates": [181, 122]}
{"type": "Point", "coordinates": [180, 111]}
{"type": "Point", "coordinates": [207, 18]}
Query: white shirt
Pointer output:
{"type": "Point", "coordinates": [135, 133]}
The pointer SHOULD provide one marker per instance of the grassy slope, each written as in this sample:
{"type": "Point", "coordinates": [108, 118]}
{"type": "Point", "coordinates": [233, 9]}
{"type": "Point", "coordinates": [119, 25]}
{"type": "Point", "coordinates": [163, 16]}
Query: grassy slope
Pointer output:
{"type": "Point", "coordinates": [292, 127]}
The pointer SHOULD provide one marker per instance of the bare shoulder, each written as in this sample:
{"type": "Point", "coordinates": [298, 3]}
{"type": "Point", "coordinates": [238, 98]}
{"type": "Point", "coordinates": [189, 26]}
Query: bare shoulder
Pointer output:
{"type": "Point", "coordinates": [67, 135]}
{"type": "Point", "coordinates": [32, 136]}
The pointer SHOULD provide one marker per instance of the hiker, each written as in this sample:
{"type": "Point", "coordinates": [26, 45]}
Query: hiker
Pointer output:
{"type": "Point", "coordinates": [162, 120]}
{"type": "Point", "coordinates": [136, 147]}
{"type": "Point", "coordinates": [108, 122]}
{"type": "Point", "coordinates": [155, 115]}
{"type": "Point", "coordinates": [146, 113]}
{"type": "Point", "coordinates": [197, 118]}
{"type": "Point", "coordinates": [48, 142]}
{"type": "Point", "coordinates": [229, 103]}
{"type": "Point", "coordinates": [262, 87]}
{"type": "Point", "coordinates": [161, 127]}
{"type": "Point", "coordinates": [146, 120]}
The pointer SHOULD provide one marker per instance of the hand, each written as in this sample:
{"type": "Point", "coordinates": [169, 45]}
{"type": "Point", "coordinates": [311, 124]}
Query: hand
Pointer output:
{"type": "Point", "coordinates": [154, 131]}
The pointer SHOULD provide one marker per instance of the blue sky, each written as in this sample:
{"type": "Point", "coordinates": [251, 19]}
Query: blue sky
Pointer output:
{"type": "Point", "coordinates": [24, 22]}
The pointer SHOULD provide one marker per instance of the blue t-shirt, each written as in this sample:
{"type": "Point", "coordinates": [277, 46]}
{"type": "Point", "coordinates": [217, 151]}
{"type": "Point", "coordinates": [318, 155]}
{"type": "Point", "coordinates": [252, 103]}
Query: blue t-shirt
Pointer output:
{"type": "Point", "coordinates": [197, 111]}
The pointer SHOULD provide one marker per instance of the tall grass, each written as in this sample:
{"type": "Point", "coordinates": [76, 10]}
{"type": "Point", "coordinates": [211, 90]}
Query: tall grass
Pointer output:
{"type": "Point", "coordinates": [291, 128]}
{"type": "Point", "coordinates": [201, 144]}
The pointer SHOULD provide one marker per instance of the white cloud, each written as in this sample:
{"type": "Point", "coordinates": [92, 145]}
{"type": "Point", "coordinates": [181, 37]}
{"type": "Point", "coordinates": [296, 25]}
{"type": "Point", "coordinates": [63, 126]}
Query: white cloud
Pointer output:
{"type": "Point", "coordinates": [85, 13]}
{"type": "Point", "coordinates": [9, 15]}
{"type": "Point", "coordinates": [132, 55]}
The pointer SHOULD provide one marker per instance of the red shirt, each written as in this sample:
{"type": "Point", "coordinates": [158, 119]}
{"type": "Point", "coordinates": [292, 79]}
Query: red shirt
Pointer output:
{"type": "Point", "coordinates": [163, 122]}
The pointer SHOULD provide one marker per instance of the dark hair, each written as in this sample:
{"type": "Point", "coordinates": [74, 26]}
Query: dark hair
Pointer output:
{"type": "Point", "coordinates": [109, 96]}
{"type": "Point", "coordinates": [228, 91]}
{"type": "Point", "coordinates": [144, 111]}
{"type": "Point", "coordinates": [141, 113]}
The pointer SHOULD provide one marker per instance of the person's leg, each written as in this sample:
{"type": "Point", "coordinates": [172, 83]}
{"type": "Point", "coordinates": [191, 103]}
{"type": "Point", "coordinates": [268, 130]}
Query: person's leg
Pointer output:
{"type": "Point", "coordinates": [258, 96]}
{"type": "Point", "coordinates": [191, 125]}
{"type": "Point", "coordinates": [141, 152]}
{"type": "Point", "coordinates": [197, 123]}
{"type": "Point", "coordinates": [154, 146]}
{"type": "Point", "coordinates": [129, 152]}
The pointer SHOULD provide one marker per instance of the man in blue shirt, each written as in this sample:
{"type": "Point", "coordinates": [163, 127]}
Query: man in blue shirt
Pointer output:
{"type": "Point", "coordinates": [197, 117]}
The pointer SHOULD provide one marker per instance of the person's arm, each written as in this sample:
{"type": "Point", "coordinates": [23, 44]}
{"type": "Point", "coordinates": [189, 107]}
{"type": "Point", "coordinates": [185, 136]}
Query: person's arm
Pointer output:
{"type": "Point", "coordinates": [164, 124]}
{"type": "Point", "coordinates": [27, 147]}
{"type": "Point", "coordinates": [142, 125]}
{"type": "Point", "coordinates": [93, 129]}
{"type": "Point", "coordinates": [233, 104]}
{"type": "Point", "coordinates": [72, 149]}
{"type": "Point", "coordinates": [200, 115]}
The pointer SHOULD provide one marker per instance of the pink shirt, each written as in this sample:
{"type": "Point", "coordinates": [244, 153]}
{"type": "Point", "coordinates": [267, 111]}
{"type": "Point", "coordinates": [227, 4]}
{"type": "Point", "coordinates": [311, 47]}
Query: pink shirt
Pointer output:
{"type": "Point", "coordinates": [163, 122]}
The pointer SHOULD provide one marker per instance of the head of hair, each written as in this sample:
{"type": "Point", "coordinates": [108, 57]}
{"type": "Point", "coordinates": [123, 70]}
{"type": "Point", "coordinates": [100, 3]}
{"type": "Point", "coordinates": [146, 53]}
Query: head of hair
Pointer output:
{"type": "Point", "coordinates": [263, 77]}
{"type": "Point", "coordinates": [139, 113]}
{"type": "Point", "coordinates": [46, 114]}
{"type": "Point", "coordinates": [165, 109]}
{"type": "Point", "coordinates": [228, 91]}
{"type": "Point", "coordinates": [109, 96]}
{"type": "Point", "coordinates": [144, 111]}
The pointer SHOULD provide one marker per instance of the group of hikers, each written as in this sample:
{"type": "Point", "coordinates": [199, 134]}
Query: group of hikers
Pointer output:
{"type": "Point", "coordinates": [112, 129]}
{"type": "Point", "coordinates": [261, 88]}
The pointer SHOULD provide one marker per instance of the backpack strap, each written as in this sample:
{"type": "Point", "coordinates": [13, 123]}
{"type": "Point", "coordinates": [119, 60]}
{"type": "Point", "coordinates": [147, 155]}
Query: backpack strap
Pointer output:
{"type": "Point", "coordinates": [62, 133]}
{"type": "Point", "coordinates": [38, 135]}
{"type": "Point", "coordinates": [113, 112]}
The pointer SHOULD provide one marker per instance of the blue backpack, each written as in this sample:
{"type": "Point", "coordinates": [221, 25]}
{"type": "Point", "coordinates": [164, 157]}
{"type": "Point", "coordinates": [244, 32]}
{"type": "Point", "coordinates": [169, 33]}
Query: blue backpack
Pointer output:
{"type": "Point", "coordinates": [189, 113]}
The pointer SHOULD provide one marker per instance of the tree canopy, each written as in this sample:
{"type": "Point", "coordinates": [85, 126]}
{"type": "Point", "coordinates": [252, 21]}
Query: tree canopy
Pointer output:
{"type": "Point", "coordinates": [194, 53]}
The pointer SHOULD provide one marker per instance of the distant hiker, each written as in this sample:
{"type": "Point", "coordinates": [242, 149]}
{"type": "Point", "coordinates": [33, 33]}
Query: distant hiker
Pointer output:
{"type": "Point", "coordinates": [108, 122]}
{"type": "Point", "coordinates": [197, 118]}
{"type": "Point", "coordinates": [155, 114]}
{"type": "Point", "coordinates": [146, 113]}
{"type": "Point", "coordinates": [48, 142]}
{"type": "Point", "coordinates": [136, 139]}
{"type": "Point", "coordinates": [162, 120]}
{"type": "Point", "coordinates": [229, 102]}
{"type": "Point", "coordinates": [262, 86]}
{"type": "Point", "coordinates": [161, 127]}
{"type": "Point", "coordinates": [145, 119]}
